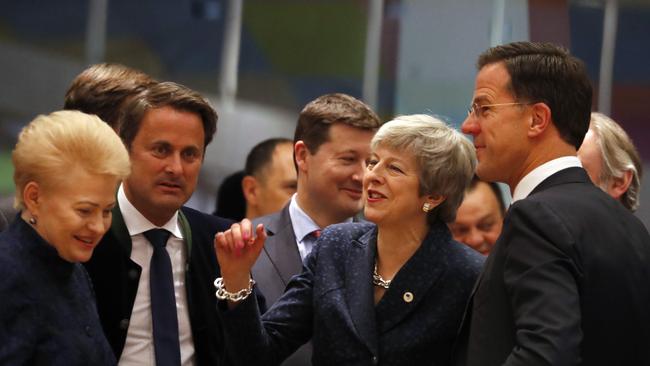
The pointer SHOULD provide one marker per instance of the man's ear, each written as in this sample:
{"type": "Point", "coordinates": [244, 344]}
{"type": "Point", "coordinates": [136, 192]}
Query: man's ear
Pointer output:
{"type": "Point", "coordinates": [301, 152]}
{"type": "Point", "coordinates": [540, 119]}
{"type": "Point", "coordinates": [249, 187]}
{"type": "Point", "coordinates": [32, 197]}
{"type": "Point", "coordinates": [619, 185]}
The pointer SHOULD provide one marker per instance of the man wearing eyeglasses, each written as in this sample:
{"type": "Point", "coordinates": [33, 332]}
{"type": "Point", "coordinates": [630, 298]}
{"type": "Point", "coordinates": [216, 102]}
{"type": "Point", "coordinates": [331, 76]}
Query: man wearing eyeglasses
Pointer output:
{"type": "Point", "coordinates": [567, 281]}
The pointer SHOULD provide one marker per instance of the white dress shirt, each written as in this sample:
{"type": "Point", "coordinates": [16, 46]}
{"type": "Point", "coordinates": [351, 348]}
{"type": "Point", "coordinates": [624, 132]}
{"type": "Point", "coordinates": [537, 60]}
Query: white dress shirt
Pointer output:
{"type": "Point", "coordinates": [539, 174]}
{"type": "Point", "coordinates": [303, 225]}
{"type": "Point", "coordinates": [139, 346]}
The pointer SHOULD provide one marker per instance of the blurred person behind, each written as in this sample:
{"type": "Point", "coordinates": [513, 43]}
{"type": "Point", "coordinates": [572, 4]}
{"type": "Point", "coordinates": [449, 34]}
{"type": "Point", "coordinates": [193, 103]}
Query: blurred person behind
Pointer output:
{"type": "Point", "coordinates": [103, 89]}
{"type": "Point", "coordinates": [611, 160]}
{"type": "Point", "coordinates": [391, 291]}
{"type": "Point", "coordinates": [270, 177]}
{"type": "Point", "coordinates": [67, 168]}
{"type": "Point", "coordinates": [480, 217]}
{"type": "Point", "coordinates": [231, 203]}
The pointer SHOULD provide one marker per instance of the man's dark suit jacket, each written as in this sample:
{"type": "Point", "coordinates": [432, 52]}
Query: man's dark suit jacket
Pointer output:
{"type": "Point", "coordinates": [332, 302]}
{"type": "Point", "coordinates": [115, 279]}
{"type": "Point", "coordinates": [567, 283]}
{"type": "Point", "coordinates": [278, 262]}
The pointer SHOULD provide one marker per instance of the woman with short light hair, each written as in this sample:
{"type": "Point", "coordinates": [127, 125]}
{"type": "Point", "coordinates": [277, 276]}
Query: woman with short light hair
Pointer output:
{"type": "Point", "coordinates": [391, 291]}
{"type": "Point", "coordinates": [67, 166]}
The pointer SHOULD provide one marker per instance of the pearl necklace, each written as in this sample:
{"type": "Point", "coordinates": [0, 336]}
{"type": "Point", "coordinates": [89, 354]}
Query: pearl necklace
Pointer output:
{"type": "Point", "coordinates": [378, 280]}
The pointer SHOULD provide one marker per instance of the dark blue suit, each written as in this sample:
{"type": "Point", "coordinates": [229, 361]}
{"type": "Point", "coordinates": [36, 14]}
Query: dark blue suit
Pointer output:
{"type": "Point", "coordinates": [47, 311]}
{"type": "Point", "coordinates": [332, 302]}
{"type": "Point", "coordinates": [567, 283]}
{"type": "Point", "coordinates": [115, 279]}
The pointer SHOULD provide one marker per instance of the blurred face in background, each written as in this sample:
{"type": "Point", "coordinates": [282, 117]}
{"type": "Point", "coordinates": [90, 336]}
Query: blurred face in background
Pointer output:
{"type": "Point", "coordinates": [273, 187]}
{"type": "Point", "coordinates": [479, 219]}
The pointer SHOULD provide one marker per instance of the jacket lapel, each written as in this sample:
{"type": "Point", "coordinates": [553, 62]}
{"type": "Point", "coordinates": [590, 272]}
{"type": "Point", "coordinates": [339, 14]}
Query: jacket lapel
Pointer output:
{"type": "Point", "coordinates": [415, 280]}
{"type": "Point", "coordinates": [119, 230]}
{"type": "Point", "coordinates": [360, 295]}
{"type": "Point", "coordinates": [283, 251]}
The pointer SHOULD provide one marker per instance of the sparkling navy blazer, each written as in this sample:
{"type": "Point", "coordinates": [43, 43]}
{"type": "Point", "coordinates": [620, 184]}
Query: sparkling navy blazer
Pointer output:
{"type": "Point", "coordinates": [332, 303]}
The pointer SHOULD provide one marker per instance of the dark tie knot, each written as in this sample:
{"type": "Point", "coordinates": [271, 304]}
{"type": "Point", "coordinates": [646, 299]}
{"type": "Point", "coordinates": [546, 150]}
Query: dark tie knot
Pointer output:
{"type": "Point", "coordinates": [157, 237]}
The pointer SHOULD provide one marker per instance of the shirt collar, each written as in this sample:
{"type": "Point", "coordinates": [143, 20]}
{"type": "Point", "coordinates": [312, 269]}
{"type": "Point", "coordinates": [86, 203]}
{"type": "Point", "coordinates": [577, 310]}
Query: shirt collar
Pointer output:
{"type": "Point", "coordinates": [539, 174]}
{"type": "Point", "coordinates": [136, 223]}
{"type": "Point", "coordinates": [301, 222]}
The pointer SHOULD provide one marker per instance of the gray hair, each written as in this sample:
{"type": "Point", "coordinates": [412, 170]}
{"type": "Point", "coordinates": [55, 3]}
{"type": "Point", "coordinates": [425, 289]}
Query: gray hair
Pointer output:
{"type": "Point", "coordinates": [619, 155]}
{"type": "Point", "coordinates": [445, 158]}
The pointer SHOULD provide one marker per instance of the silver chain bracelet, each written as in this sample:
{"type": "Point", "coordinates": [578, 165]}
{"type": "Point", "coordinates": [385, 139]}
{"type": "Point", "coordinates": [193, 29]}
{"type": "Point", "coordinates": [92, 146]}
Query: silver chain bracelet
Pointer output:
{"type": "Point", "coordinates": [223, 294]}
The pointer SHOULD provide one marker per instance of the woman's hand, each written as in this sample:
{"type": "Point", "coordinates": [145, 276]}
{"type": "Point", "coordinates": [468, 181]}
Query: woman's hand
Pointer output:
{"type": "Point", "coordinates": [237, 250]}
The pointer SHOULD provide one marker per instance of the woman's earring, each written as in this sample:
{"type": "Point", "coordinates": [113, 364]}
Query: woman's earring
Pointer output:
{"type": "Point", "coordinates": [32, 220]}
{"type": "Point", "coordinates": [426, 207]}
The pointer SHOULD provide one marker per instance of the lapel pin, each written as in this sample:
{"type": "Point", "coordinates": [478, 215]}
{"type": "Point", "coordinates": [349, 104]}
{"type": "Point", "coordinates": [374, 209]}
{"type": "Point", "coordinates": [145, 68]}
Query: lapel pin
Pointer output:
{"type": "Point", "coordinates": [408, 296]}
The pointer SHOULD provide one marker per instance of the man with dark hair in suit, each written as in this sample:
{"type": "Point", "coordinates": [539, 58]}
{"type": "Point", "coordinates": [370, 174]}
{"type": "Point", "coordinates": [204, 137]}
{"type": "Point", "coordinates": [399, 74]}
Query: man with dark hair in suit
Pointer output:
{"type": "Point", "coordinates": [270, 177]}
{"type": "Point", "coordinates": [331, 145]}
{"type": "Point", "coordinates": [104, 89]}
{"type": "Point", "coordinates": [153, 270]}
{"type": "Point", "coordinates": [567, 281]}
{"type": "Point", "coordinates": [264, 186]}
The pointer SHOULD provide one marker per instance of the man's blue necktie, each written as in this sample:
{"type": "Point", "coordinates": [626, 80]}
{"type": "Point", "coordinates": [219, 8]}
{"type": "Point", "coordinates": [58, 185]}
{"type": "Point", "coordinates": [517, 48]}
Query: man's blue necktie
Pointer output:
{"type": "Point", "coordinates": [163, 301]}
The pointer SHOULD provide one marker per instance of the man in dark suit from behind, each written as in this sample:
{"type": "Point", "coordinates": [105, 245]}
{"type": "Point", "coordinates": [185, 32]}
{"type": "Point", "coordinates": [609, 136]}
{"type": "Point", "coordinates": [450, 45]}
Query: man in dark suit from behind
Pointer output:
{"type": "Point", "coordinates": [567, 281]}
{"type": "Point", "coordinates": [331, 145]}
{"type": "Point", "coordinates": [104, 89]}
{"type": "Point", "coordinates": [166, 129]}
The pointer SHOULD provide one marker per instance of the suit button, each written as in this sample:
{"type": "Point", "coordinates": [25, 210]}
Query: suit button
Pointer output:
{"type": "Point", "coordinates": [133, 274]}
{"type": "Point", "coordinates": [88, 332]}
{"type": "Point", "coordinates": [375, 360]}
{"type": "Point", "coordinates": [124, 324]}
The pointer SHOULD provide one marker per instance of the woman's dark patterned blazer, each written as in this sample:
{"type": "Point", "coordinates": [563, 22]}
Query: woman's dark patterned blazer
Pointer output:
{"type": "Point", "coordinates": [332, 303]}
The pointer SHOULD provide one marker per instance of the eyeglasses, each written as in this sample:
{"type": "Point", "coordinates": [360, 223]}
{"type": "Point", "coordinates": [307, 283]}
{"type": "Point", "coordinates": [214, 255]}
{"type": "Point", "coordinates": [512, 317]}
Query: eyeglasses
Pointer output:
{"type": "Point", "coordinates": [479, 110]}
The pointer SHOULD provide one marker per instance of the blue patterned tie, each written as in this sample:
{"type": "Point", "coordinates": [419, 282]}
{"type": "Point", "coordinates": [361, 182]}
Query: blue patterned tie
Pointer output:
{"type": "Point", "coordinates": [163, 301]}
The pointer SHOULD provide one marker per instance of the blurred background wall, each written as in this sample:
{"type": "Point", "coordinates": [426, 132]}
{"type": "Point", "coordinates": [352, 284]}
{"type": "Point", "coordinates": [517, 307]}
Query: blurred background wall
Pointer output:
{"type": "Point", "coordinates": [260, 61]}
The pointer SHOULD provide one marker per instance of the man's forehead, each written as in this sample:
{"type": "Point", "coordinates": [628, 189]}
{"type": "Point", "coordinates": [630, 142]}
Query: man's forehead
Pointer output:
{"type": "Point", "coordinates": [491, 80]}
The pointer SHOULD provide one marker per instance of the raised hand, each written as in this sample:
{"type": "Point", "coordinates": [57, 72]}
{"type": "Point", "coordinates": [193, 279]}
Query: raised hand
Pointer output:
{"type": "Point", "coordinates": [237, 250]}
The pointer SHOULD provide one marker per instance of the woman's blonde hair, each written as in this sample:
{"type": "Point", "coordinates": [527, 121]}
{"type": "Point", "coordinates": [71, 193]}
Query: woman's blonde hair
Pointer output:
{"type": "Point", "coordinates": [51, 145]}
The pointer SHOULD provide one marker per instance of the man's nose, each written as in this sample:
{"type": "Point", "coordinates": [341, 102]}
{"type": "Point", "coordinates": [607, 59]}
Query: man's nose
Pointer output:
{"type": "Point", "coordinates": [470, 126]}
{"type": "Point", "coordinates": [174, 164]}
